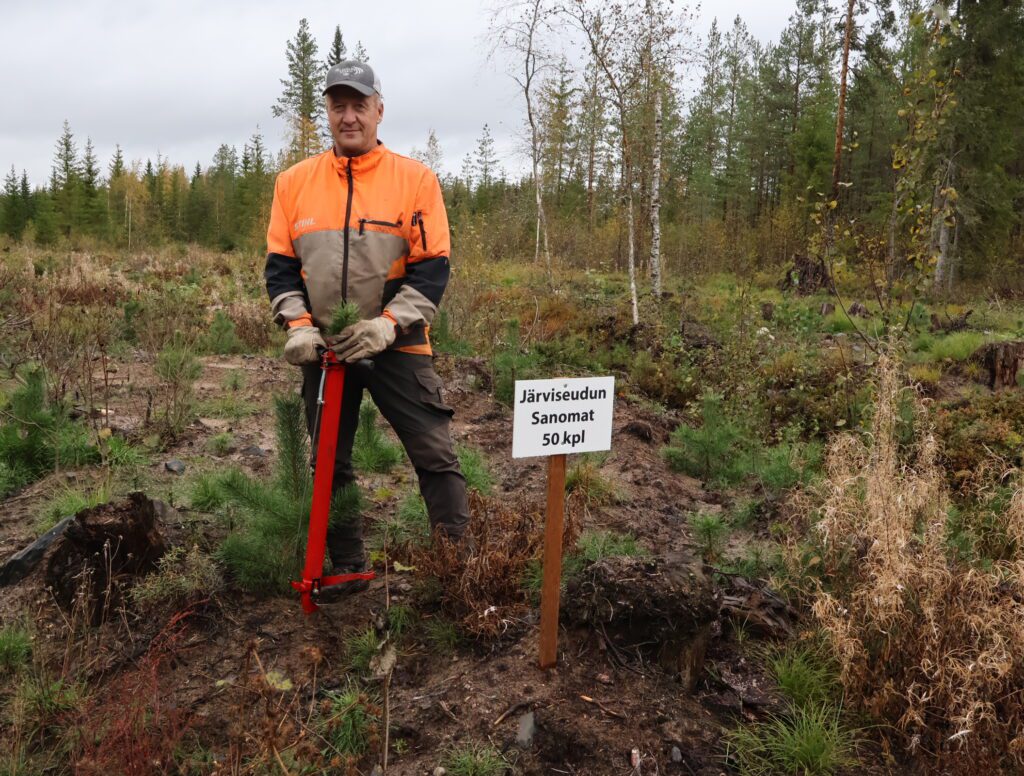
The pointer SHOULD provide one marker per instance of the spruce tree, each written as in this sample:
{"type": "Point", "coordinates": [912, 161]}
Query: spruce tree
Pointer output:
{"type": "Point", "coordinates": [300, 102]}
{"type": "Point", "coordinates": [360, 53]}
{"type": "Point", "coordinates": [65, 182]}
{"type": "Point", "coordinates": [485, 160]}
{"type": "Point", "coordinates": [337, 51]}
{"type": "Point", "coordinates": [93, 214]}
{"type": "Point", "coordinates": [12, 220]}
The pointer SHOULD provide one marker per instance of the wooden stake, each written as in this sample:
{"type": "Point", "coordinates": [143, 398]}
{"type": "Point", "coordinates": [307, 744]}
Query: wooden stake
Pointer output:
{"type": "Point", "coordinates": [552, 586]}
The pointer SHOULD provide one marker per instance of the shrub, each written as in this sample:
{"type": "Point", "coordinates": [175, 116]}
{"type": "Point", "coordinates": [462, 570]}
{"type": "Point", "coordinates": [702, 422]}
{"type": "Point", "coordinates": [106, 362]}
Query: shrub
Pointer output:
{"type": "Point", "coordinates": [182, 576]}
{"type": "Point", "coordinates": [221, 337]}
{"type": "Point", "coordinates": [350, 723]}
{"type": "Point", "coordinates": [266, 550]}
{"type": "Point", "coordinates": [36, 437]}
{"type": "Point", "coordinates": [372, 452]}
{"type": "Point", "coordinates": [178, 368]}
{"type": "Point", "coordinates": [922, 639]}
{"type": "Point", "coordinates": [711, 533]}
{"type": "Point", "coordinates": [708, 451]}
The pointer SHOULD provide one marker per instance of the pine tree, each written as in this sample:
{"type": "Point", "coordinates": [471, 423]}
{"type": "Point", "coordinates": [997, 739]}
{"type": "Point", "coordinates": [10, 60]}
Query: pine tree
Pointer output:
{"type": "Point", "coordinates": [337, 52]}
{"type": "Point", "coordinates": [65, 182]}
{"type": "Point", "coordinates": [300, 103]}
{"type": "Point", "coordinates": [485, 160]}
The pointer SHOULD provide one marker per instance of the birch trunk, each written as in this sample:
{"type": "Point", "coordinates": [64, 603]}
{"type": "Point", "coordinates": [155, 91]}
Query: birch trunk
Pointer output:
{"type": "Point", "coordinates": [656, 201]}
{"type": "Point", "coordinates": [632, 253]}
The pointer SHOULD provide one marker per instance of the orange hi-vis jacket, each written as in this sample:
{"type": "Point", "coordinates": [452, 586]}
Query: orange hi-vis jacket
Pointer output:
{"type": "Point", "coordinates": [369, 229]}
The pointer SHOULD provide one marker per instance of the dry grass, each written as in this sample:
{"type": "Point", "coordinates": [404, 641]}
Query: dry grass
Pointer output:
{"type": "Point", "coordinates": [484, 593]}
{"type": "Point", "coordinates": [925, 643]}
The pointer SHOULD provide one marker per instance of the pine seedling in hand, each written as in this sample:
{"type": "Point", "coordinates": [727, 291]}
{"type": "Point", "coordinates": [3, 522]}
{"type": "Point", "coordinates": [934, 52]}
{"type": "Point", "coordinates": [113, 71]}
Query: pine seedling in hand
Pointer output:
{"type": "Point", "coordinates": [344, 315]}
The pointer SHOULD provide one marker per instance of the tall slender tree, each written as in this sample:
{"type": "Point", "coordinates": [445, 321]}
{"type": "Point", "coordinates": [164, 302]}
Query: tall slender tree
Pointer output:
{"type": "Point", "coordinates": [300, 104]}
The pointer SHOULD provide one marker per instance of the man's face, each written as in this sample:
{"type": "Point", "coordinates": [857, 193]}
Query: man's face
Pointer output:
{"type": "Point", "coordinates": [353, 118]}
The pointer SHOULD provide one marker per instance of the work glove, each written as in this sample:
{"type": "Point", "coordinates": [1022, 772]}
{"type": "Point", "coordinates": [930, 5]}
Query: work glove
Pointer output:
{"type": "Point", "coordinates": [302, 344]}
{"type": "Point", "coordinates": [364, 339]}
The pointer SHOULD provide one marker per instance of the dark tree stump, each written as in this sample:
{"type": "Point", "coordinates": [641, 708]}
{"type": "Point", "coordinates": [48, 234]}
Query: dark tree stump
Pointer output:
{"type": "Point", "coordinates": [806, 276]}
{"type": "Point", "coordinates": [767, 311]}
{"type": "Point", "coordinates": [1002, 360]}
{"type": "Point", "coordinates": [102, 552]}
{"type": "Point", "coordinates": [664, 605]}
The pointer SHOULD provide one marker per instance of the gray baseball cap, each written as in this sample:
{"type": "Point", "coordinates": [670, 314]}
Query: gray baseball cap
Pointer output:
{"type": "Point", "coordinates": [355, 74]}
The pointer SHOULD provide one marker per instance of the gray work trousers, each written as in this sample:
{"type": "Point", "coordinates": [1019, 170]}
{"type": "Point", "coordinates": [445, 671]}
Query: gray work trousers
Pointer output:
{"type": "Point", "coordinates": [407, 391]}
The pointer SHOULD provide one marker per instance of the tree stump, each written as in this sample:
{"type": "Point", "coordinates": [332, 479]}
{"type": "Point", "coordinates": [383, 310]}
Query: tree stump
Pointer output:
{"type": "Point", "coordinates": [102, 551]}
{"type": "Point", "coordinates": [806, 276]}
{"type": "Point", "coordinates": [1002, 360]}
{"type": "Point", "coordinates": [664, 605]}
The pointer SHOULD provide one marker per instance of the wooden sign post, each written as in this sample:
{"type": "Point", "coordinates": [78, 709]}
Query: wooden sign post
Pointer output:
{"type": "Point", "coordinates": [554, 418]}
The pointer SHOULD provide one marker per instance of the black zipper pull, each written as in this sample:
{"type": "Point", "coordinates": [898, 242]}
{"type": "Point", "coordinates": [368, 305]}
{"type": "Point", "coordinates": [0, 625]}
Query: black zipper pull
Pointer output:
{"type": "Point", "coordinates": [418, 218]}
{"type": "Point", "coordinates": [362, 226]}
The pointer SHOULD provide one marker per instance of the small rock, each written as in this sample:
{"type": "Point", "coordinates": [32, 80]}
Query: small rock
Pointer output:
{"type": "Point", "coordinates": [439, 771]}
{"type": "Point", "coordinates": [677, 754]}
{"type": "Point", "coordinates": [527, 728]}
{"type": "Point", "coordinates": [377, 771]}
{"type": "Point", "coordinates": [175, 466]}
{"type": "Point", "coordinates": [254, 451]}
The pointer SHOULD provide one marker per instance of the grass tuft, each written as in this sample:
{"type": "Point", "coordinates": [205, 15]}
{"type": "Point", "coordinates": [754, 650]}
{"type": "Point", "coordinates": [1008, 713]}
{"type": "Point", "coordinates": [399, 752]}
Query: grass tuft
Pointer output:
{"type": "Point", "coordinates": [811, 741]}
{"type": "Point", "coordinates": [473, 759]}
{"type": "Point", "coordinates": [15, 647]}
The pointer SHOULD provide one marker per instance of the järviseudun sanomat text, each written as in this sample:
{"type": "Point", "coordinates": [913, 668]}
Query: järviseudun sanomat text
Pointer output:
{"type": "Point", "coordinates": [531, 396]}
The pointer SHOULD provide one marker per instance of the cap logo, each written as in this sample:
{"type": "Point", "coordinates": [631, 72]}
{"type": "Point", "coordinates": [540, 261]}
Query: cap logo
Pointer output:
{"type": "Point", "coordinates": [351, 71]}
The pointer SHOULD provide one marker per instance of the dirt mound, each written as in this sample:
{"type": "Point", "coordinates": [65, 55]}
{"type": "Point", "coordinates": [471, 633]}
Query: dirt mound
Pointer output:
{"type": "Point", "coordinates": [102, 551]}
{"type": "Point", "coordinates": [664, 604]}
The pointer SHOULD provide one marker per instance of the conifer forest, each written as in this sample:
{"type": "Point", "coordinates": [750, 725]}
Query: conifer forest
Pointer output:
{"type": "Point", "coordinates": [802, 261]}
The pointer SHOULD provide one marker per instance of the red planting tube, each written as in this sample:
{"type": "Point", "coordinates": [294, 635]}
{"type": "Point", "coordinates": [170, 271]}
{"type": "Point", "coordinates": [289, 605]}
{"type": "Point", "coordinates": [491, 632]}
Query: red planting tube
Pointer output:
{"type": "Point", "coordinates": [323, 477]}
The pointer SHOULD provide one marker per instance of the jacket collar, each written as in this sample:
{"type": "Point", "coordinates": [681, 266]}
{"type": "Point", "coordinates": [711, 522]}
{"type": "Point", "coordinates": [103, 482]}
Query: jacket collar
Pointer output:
{"type": "Point", "coordinates": [360, 164]}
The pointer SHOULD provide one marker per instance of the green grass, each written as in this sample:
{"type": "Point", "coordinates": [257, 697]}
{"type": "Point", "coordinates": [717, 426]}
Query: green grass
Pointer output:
{"type": "Point", "coordinates": [810, 741]}
{"type": "Point", "coordinates": [474, 467]}
{"type": "Point", "coordinates": [409, 526]}
{"type": "Point", "coordinates": [234, 380]}
{"type": "Point", "coordinates": [15, 647]}
{"type": "Point", "coordinates": [585, 478]}
{"type": "Point", "coordinates": [472, 759]}
{"type": "Point", "coordinates": [711, 533]}
{"type": "Point", "coordinates": [350, 722]}
{"type": "Point", "coordinates": [67, 502]}
{"type": "Point", "coordinates": [958, 346]}
{"type": "Point", "coordinates": [442, 635]}
{"type": "Point", "coordinates": [120, 454]}
{"type": "Point", "coordinates": [221, 444]}
{"type": "Point", "coordinates": [591, 547]}
{"type": "Point", "coordinates": [804, 675]}
{"type": "Point", "coordinates": [229, 407]}
{"type": "Point", "coordinates": [400, 619]}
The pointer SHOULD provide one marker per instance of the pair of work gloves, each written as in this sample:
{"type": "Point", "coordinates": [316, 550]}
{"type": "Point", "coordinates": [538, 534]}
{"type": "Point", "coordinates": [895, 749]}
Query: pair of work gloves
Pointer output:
{"type": "Point", "coordinates": [360, 340]}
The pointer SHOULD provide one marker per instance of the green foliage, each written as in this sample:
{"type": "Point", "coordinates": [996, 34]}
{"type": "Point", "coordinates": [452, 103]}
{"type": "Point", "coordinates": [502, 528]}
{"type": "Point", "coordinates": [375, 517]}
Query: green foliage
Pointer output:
{"type": "Point", "coordinates": [958, 346]}
{"type": "Point", "coordinates": [234, 380]}
{"type": "Point", "coordinates": [510, 363]}
{"type": "Point", "coordinates": [343, 316]}
{"type": "Point", "coordinates": [67, 502]}
{"type": "Point", "coordinates": [443, 341]}
{"type": "Point", "coordinates": [266, 548]}
{"type": "Point", "coordinates": [711, 533]}
{"type": "Point", "coordinates": [207, 491]}
{"type": "Point", "coordinates": [809, 740]}
{"type": "Point", "coordinates": [585, 478]}
{"type": "Point", "coordinates": [474, 467]}
{"type": "Point", "coordinates": [708, 451]}
{"type": "Point", "coordinates": [182, 576]}
{"type": "Point", "coordinates": [178, 368]}
{"type": "Point", "coordinates": [350, 722]}
{"type": "Point", "coordinates": [221, 444]}
{"type": "Point", "coordinates": [400, 619]}
{"type": "Point", "coordinates": [36, 437]}
{"type": "Point", "coordinates": [442, 635]}
{"type": "Point", "coordinates": [221, 338]}
{"type": "Point", "coordinates": [805, 675]}
{"type": "Point", "coordinates": [372, 452]}
{"type": "Point", "coordinates": [121, 454]}
{"type": "Point", "coordinates": [408, 527]}
{"type": "Point", "coordinates": [591, 547]}
{"type": "Point", "coordinates": [228, 407]}
{"type": "Point", "coordinates": [361, 648]}
{"type": "Point", "coordinates": [471, 759]}
{"type": "Point", "coordinates": [15, 647]}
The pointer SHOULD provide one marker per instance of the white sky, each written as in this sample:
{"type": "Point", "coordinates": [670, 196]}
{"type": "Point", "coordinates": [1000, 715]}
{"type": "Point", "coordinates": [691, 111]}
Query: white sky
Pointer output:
{"type": "Point", "coordinates": [180, 78]}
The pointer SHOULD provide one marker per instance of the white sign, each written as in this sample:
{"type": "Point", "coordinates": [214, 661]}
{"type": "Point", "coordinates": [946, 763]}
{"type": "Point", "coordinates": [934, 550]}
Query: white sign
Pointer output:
{"type": "Point", "coordinates": [572, 415]}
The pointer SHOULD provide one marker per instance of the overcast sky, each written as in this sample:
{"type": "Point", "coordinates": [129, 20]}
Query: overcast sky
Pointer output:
{"type": "Point", "coordinates": [180, 78]}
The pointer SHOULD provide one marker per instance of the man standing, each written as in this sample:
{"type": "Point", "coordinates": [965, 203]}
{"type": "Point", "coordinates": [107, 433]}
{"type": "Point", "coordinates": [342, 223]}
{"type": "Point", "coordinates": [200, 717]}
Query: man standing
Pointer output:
{"type": "Point", "coordinates": [364, 225]}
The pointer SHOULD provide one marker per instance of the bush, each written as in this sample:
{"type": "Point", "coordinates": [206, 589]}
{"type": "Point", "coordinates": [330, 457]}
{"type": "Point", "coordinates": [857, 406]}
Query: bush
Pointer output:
{"type": "Point", "coordinates": [182, 576]}
{"type": "Point", "coordinates": [372, 452]}
{"type": "Point", "coordinates": [709, 451]}
{"type": "Point", "coordinates": [221, 337]}
{"type": "Point", "coordinates": [926, 641]}
{"type": "Point", "coordinates": [266, 550]}
{"type": "Point", "coordinates": [36, 437]}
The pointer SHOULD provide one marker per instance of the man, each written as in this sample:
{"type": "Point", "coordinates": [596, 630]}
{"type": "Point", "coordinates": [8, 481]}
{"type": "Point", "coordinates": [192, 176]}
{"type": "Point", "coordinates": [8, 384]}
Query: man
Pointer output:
{"type": "Point", "coordinates": [364, 225]}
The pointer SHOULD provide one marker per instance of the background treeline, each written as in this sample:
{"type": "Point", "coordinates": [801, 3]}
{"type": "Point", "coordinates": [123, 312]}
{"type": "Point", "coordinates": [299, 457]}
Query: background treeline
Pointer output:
{"type": "Point", "coordinates": [699, 155]}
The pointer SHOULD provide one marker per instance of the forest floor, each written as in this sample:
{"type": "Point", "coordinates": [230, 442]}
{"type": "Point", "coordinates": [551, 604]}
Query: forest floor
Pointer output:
{"type": "Point", "coordinates": [221, 680]}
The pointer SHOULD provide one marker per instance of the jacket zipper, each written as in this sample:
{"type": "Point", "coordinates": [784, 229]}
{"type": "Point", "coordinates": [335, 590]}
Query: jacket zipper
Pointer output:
{"type": "Point", "coordinates": [364, 221]}
{"type": "Point", "coordinates": [417, 219]}
{"type": "Point", "coordinates": [348, 215]}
